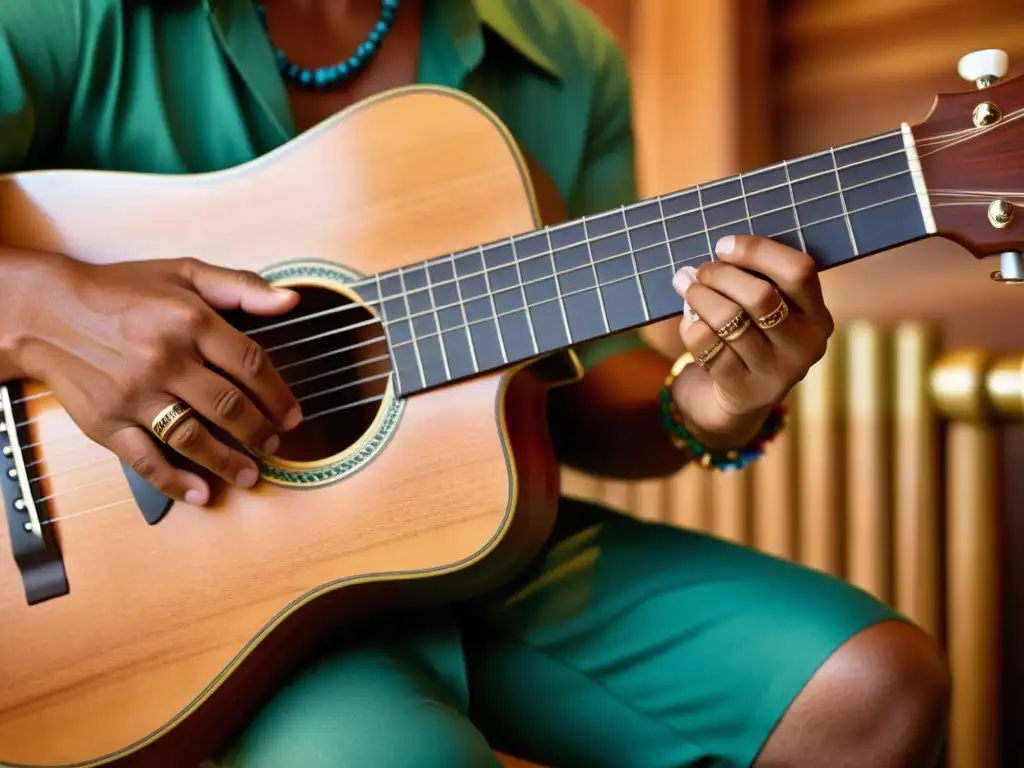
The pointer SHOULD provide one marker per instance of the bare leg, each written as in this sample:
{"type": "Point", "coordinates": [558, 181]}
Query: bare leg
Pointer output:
{"type": "Point", "coordinates": [880, 700]}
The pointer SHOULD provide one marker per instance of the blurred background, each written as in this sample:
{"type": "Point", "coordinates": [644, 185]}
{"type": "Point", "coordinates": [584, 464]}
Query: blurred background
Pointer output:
{"type": "Point", "coordinates": [903, 470]}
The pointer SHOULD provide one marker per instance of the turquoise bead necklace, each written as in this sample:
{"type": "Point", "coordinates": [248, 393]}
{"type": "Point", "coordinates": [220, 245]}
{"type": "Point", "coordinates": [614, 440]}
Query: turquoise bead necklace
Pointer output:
{"type": "Point", "coordinates": [325, 78]}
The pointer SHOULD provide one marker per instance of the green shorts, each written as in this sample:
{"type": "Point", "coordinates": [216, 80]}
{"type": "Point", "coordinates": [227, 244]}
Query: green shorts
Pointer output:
{"type": "Point", "coordinates": [628, 644]}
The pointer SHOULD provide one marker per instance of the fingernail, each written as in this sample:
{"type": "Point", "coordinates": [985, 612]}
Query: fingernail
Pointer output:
{"type": "Point", "coordinates": [689, 317]}
{"type": "Point", "coordinates": [196, 497]}
{"type": "Point", "coordinates": [725, 245]}
{"type": "Point", "coordinates": [247, 477]}
{"type": "Point", "coordinates": [683, 279]}
{"type": "Point", "coordinates": [293, 419]}
{"type": "Point", "coordinates": [272, 444]}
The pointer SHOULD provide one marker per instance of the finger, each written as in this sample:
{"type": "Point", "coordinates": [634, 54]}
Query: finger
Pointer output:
{"type": "Point", "coordinates": [227, 289]}
{"type": "Point", "coordinates": [722, 315]}
{"type": "Point", "coordinates": [137, 448]}
{"type": "Point", "coordinates": [758, 298]}
{"type": "Point", "coordinates": [791, 270]}
{"type": "Point", "coordinates": [248, 364]}
{"type": "Point", "coordinates": [224, 404]}
{"type": "Point", "coordinates": [192, 440]}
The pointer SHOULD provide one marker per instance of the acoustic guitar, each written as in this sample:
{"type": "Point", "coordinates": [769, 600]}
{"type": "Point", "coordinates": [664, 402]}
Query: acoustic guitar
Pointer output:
{"type": "Point", "coordinates": [436, 316]}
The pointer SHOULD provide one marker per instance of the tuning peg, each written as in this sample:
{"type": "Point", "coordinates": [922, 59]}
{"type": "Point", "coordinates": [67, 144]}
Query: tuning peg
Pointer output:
{"type": "Point", "coordinates": [984, 68]}
{"type": "Point", "coordinates": [1011, 268]}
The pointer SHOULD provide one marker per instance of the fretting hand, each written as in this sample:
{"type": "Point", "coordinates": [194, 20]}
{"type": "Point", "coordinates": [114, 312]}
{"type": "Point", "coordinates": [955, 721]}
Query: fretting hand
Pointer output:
{"type": "Point", "coordinates": [122, 345]}
{"type": "Point", "coordinates": [752, 343]}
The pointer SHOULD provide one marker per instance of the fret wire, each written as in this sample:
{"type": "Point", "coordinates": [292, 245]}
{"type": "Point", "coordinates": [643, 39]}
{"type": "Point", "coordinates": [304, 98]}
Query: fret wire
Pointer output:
{"type": "Point", "coordinates": [668, 240]}
{"type": "Point", "coordinates": [746, 205]}
{"type": "Point", "coordinates": [688, 211]}
{"type": "Point", "coordinates": [462, 309]}
{"type": "Point", "coordinates": [437, 321]}
{"type": "Point", "coordinates": [494, 307]}
{"type": "Point", "coordinates": [597, 280]}
{"type": "Point", "coordinates": [522, 290]}
{"type": "Point", "coordinates": [384, 322]}
{"type": "Point", "coordinates": [704, 218]}
{"type": "Point", "coordinates": [796, 212]}
{"type": "Point", "coordinates": [782, 164]}
{"type": "Point", "coordinates": [412, 328]}
{"type": "Point", "coordinates": [692, 258]}
{"type": "Point", "coordinates": [636, 267]}
{"type": "Point", "coordinates": [796, 229]}
{"type": "Point", "coordinates": [842, 201]}
{"type": "Point", "coordinates": [558, 285]}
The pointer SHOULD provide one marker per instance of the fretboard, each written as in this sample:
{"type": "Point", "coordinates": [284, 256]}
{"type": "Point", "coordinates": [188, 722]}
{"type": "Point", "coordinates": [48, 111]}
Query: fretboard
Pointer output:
{"type": "Point", "coordinates": [505, 302]}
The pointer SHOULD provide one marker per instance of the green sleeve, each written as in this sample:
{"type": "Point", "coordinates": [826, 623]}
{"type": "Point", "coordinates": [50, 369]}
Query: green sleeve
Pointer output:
{"type": "Point", "coordinates": [39, 43]}
{"type": "Point", "coordinates": [607, 177]}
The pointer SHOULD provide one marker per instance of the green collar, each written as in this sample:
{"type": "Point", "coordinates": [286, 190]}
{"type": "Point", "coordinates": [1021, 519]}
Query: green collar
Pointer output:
{"type": "Point", "coordinates": [499, 16]}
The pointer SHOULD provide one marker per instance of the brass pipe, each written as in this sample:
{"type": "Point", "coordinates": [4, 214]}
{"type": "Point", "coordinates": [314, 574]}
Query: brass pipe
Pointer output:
{"type": "Point", "coordinates": [917, 522]}
{"type": "Point", "coordinates": [971, 389]}
{"type": "Point", "coordinates": [868, 518]}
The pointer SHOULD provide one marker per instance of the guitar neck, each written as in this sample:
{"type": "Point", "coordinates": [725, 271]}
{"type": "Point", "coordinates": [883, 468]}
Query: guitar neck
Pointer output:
{"type": "Point", "coordinates": [506, 302]}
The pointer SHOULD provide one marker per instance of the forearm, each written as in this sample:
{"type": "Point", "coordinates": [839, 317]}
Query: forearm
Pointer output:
{"type": "Point", "coordinates": [609, 424]}
{"type": "Point", "coordinates": [14, 289]}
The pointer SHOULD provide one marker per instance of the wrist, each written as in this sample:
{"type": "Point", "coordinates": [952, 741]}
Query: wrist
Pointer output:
{"type": "Point", "coordinates": [22, 291]}
{"type": "Point", "coordinates": [733, 442]}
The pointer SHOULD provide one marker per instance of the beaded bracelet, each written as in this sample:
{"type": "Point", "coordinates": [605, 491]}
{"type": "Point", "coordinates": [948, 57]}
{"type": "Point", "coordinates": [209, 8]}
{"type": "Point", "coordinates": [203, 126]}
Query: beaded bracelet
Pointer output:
{"type": "Point", "coordinates": [733, 458]}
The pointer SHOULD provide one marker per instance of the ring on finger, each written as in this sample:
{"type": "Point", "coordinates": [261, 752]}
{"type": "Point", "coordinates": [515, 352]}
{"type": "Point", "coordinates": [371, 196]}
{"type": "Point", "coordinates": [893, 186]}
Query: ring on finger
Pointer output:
{"type": "Point", "coordinates": [735, 327]}
{"type": "Point", "coordinates": [774, 317]}
{"type": "Point", "coordinates": [168, 419]}
{"type": "Point", "coordinates": [704, 358]}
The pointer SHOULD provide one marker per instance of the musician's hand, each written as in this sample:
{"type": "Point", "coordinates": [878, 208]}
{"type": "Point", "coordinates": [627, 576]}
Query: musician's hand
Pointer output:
{"type": "Point", "coordinates": [117, 344]}
{"type": "Point", "coordinates": [725, 403]}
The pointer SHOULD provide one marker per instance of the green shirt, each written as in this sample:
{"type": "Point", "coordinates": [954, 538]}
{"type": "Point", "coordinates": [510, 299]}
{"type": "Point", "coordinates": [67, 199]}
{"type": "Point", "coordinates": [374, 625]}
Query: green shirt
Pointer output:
{"type": "Point", "coordinates": [191, 86]}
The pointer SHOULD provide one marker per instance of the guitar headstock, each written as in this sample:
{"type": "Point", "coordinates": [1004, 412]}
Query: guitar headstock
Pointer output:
{"type": "Point", "coordinates": [971, 150]}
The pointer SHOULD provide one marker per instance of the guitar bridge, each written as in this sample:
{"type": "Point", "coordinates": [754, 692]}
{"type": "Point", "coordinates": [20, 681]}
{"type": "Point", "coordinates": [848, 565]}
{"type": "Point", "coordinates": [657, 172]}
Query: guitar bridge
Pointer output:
{"type": "Point", "coordinates": [34, 548]}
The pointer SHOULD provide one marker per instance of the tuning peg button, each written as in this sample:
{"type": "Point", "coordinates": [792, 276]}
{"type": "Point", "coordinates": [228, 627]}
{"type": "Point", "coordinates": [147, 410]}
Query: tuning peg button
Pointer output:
{"type": "Point", "coordinates": [984, 68]}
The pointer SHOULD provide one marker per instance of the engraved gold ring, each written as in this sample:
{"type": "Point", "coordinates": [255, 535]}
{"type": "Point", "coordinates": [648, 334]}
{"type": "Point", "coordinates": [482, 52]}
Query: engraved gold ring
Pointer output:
{"type": "Point", "coordinates": [774, 317]}
{"type": "Point", "coordinates": [735, 327]}
{"type": "Point", "coordinates": [169, 418]}
{"type": "Point", "coordinates": [704, 358]}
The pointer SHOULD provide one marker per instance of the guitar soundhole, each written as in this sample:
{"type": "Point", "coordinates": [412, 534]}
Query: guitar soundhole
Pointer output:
{"type": "Point", "coordinates": [332, 353]}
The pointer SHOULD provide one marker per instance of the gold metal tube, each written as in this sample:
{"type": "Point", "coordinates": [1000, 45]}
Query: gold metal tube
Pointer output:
{"type": "Point", "coordinates": [820, 483]}
{"type": "Point", "coordinates": [867, 461]}
{"type": "Point", "coordinates": [916, 511]}
{"type": "Point", "coordinates": [960, 385]}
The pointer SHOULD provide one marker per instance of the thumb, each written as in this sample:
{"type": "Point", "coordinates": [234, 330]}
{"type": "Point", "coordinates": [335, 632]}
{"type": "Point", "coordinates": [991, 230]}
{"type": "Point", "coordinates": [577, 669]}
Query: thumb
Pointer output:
{"type": "Point", "coordinates": [682, 281]}
{"type": "Point", "coordinates": [227, 289]}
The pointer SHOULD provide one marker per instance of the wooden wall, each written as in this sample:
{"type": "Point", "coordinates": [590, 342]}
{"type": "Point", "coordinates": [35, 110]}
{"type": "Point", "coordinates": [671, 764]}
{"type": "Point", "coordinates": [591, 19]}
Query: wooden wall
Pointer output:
{"type": "Point", "coordinates": [723, 86]}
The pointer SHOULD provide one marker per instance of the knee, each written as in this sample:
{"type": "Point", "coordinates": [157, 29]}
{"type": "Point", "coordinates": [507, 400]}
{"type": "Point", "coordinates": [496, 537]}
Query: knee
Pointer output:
{"type": "Point", "coordinates": [890, 687]}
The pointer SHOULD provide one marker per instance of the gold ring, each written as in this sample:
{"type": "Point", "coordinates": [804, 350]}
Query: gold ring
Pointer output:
{"type": "Point", "coordinates": [169, 418]}
{"type": "Point", "coordinates": [734, 328]}
{"type": "Point", "coordinates": [774, 317]}
{"type": "Point", "coordinates": [704, 358]}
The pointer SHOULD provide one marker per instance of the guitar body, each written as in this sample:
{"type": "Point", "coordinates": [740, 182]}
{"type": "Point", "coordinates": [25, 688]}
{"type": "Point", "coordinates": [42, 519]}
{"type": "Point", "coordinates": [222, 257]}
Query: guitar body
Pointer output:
{"type": "Point", "coordinates": [172, 634]}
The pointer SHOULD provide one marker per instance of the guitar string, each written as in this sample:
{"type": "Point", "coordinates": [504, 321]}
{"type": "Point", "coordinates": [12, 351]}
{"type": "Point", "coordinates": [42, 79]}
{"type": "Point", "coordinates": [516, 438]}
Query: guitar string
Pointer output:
{"type": "Point", "coordinates": [546, 254]}
{"type": "Point", "coordinates": [364, 401]}
{"type": "Point", "coordinates": [940, 139]}
{"type": "Point", "coordinates": [591, 263]}
{"type": "Point", "coordinates": [372, 280]}
{"type": "Point", "coordinates": [335, 409]}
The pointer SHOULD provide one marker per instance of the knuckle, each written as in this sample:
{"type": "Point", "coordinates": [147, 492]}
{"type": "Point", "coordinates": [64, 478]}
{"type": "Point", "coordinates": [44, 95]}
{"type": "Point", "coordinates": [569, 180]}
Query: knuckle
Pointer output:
{"type": "Point", "coordinates": [228, 403]}
{"type": "Point", "coordinates": [803, 268]}
{"type": "Point", "coordinates": [766, 296]}
{"type": "Point", "coordinates": [254, 359]}
{"type": "Point", "coordinates": [188, 317]}
{"type": "Point", "coordinates": [186, 437]}
{"type": "Point", "coordinates": [148, 468]}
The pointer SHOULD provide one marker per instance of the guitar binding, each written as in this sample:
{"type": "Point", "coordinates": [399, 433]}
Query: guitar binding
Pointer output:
{"type": "Point", "coordinates": [33, 545]}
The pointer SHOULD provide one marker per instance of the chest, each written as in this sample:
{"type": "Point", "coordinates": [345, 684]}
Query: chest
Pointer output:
{"type": "Point", "coordinates": [324, 41]}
